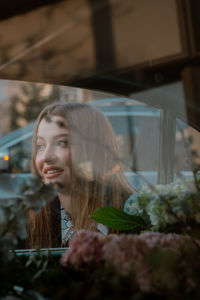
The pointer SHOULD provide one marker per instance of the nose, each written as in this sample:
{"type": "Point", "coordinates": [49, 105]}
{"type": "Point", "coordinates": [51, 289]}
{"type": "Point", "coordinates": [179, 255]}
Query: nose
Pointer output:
{"type": "Point", "coordinates": [48, 155]}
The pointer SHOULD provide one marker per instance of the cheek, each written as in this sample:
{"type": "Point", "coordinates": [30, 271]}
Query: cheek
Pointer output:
{"type": "Point", "coordinates": [65, 157]}
{"type": "Point", "coordinates": [38, 164]}
{"type": "Point", "coordinates": [72, 155]}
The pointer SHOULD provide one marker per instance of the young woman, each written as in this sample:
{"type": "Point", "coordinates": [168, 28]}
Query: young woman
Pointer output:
{"type": "Point", "coordinates": [74, 148]}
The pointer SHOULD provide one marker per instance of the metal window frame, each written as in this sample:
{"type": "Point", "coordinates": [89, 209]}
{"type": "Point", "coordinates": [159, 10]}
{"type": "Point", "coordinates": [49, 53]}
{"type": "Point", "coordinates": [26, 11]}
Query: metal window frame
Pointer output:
{"type": "Point", "coordinates": [166, 147]}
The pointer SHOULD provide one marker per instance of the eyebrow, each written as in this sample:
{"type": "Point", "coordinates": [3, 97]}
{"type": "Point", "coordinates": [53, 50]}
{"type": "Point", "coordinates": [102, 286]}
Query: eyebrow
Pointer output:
{"type": "Point", "coordinates": [58, 122]}
{"type": "Point", "coordinates": [55, 136]}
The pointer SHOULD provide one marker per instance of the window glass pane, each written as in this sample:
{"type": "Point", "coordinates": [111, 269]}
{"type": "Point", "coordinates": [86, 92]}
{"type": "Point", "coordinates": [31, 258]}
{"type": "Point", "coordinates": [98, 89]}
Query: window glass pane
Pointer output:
{"type": "Point", "coordinates": [186, 149]}
{"type": "Point", "coordinates": [137, 146]}
{"type": "Point", "coordinates": [97, 148]}
{"type": "Point", "coordinates": [141, 131]}
{"type": "Point", "coordinates": [20, 157]}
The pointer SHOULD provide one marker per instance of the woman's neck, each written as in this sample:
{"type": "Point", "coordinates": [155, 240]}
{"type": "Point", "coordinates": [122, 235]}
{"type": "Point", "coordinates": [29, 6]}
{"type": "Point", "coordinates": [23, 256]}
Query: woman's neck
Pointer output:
{"type": "Point", "coordinates": [65, 202]}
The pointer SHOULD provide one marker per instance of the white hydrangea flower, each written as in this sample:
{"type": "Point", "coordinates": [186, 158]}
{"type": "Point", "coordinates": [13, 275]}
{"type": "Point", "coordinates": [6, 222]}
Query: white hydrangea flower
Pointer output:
{"type": "Point", "coordinates": [174, 203]}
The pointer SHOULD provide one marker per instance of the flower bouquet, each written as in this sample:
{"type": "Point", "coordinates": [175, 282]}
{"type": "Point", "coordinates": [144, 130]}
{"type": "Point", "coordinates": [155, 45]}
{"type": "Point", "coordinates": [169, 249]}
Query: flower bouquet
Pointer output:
{"type": "Point", "coordinates": [168, 208]}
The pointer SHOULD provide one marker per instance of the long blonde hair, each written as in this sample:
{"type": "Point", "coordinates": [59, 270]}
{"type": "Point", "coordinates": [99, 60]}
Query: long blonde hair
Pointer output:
{"type": "Point", "coordinates": [96, 176]}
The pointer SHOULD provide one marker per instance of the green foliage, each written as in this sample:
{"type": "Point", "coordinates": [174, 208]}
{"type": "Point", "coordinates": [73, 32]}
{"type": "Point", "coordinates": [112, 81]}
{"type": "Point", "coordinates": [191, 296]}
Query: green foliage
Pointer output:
{"type": "Point", "coordinates": [165, 208]}
{"type": "Point", "coordinates": [56, 282]}
{"type": "Point", "coordinates": [117, 219]}
{"type": "Point", "coordinates": [39, 262]}
{"type": "Point", "coordinates": [29, 194]}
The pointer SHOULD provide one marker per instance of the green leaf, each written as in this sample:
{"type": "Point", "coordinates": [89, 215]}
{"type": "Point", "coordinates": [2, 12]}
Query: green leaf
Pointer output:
{"type": "Point", "coordinates": [30, 261]}
{"type": "Point", "coordinates": [117, 219]}
{"type": "Point", "coordinates": [45, 264]}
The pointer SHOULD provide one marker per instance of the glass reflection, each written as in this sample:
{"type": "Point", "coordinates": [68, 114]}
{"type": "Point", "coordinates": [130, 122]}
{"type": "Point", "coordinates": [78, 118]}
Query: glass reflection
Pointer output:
{"type": "Point", "coordinates": [102, 157]}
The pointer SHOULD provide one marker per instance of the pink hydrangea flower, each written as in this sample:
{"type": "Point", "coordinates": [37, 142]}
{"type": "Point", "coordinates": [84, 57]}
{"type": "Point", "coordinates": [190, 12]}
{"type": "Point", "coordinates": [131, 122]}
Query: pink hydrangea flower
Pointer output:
{"type": "Point", "coordinates": [85, 247]}
{"type": "Point", "coordinates": [127, 253]}
{"type": "Point", "coordinates": [128, 256]}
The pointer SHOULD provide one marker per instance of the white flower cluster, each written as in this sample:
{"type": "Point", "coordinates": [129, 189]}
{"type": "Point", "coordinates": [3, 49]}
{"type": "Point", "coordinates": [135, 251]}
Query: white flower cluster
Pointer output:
{"type": "Point", "coordinates": [163, 205]}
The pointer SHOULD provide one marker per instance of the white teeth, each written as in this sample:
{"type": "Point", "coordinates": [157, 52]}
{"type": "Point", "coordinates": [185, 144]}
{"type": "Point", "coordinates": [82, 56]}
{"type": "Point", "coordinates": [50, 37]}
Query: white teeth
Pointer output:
{"type": "Point", "coordinates": [52, 171]}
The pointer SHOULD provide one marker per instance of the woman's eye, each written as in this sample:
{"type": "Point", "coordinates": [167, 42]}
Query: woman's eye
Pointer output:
{"type": "Point", "coordinates": [40, 147]}
{"type": "Point", "coordinates": [63, 143]}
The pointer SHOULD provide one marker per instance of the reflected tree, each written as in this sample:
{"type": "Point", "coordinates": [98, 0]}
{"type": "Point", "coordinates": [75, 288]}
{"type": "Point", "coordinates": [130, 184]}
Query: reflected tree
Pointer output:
{"type": "Point", "coordinates": [29, 100]}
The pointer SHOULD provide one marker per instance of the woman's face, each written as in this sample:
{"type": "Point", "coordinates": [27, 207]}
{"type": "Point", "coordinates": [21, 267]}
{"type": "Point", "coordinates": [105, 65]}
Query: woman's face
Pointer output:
{"type": "Point", "coordinates": [52, 152]}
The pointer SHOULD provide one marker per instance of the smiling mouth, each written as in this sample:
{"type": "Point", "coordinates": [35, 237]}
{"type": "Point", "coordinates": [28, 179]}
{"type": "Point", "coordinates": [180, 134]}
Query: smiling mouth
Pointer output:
{"type": "Point", "coordinates": [52, 171]}
{"type": "Point", "coordinates": [49, 174]}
